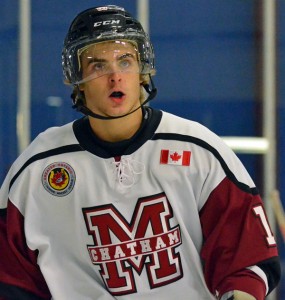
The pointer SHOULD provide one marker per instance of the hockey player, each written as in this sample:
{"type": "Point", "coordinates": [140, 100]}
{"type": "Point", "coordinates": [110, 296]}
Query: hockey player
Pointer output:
{"type": "Point", "coordinates": [129, 202]}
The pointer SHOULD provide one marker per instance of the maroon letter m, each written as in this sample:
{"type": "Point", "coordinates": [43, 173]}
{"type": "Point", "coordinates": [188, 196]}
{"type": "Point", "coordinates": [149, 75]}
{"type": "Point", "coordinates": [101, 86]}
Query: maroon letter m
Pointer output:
{"type": "Point", "coordinates": [147, 241]}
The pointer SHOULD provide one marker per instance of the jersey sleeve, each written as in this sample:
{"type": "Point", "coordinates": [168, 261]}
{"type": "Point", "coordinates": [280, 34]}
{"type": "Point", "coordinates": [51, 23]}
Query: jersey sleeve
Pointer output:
{"type": "Point", "coordinates": [239, 250]}
{"type": "Point", "coordinates": [20, 276]}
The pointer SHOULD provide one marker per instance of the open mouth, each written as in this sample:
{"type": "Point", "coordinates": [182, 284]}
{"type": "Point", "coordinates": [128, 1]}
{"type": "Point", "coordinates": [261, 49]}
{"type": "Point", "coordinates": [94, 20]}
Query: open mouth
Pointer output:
{"type": "Point", "coordinates": [117, 95]}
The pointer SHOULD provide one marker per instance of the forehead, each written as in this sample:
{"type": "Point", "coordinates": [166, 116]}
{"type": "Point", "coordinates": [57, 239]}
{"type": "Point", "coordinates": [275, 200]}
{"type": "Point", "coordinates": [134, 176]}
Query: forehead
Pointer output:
{"type": "Point", "coordinates": [119, 46]}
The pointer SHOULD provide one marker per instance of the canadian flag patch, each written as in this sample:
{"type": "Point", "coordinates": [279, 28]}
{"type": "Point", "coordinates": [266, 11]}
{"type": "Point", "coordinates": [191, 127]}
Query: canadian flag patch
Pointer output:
{"type": "Point", "coordinates": [175, 157]}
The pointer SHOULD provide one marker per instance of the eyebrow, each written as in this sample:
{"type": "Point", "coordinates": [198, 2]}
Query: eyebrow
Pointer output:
{"type": "Point", "coordinates": [123, 56]}
{"type": "Point", "coordinates": [94, 59]}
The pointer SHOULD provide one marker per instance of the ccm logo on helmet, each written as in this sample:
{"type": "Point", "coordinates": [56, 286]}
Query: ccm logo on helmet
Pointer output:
{"type": "Point", "coordinates": [108, 22]}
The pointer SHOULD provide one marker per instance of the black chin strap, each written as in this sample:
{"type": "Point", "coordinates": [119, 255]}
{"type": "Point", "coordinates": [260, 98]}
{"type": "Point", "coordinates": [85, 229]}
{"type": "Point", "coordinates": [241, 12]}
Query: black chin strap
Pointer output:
{"type": "Point", "coordinates": [79, 103]}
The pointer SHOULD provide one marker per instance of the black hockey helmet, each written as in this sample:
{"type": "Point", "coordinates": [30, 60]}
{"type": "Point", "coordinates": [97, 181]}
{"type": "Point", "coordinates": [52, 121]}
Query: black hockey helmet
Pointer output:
{"type": "Point", "coordinates": [100, 24]}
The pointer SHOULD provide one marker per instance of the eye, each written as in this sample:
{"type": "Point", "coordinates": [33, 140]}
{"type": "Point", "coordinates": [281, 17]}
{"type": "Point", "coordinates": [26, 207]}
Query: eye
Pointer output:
{"type": "Point", "coordinates": [98, 66]}
{"type": "Point", "coordinates": [125, 63]}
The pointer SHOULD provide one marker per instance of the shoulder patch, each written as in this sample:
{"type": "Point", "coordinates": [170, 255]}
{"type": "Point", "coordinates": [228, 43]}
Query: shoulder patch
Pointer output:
{"type": "Point", "coordinates": [58, 179]}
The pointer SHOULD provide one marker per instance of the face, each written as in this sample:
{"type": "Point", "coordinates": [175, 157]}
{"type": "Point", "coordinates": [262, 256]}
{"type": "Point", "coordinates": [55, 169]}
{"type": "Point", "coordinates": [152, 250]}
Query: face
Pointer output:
{"type": "Point", "coordinates": [111, 79]}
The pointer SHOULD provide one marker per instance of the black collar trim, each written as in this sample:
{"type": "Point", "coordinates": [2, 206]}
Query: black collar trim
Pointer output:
{"type": "Point", "coordinates": [88, 140]}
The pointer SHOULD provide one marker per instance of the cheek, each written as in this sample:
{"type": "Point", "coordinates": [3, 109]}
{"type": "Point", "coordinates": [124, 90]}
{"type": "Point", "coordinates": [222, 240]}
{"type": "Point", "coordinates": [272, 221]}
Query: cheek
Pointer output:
{"type": "Point", "coordinates": [136, 84]}
{"type": "Point", "coordinates": [90, 90]}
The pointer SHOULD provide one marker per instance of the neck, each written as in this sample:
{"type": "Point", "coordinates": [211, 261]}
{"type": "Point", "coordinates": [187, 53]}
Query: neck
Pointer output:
{"type": "Point", "coordinates": [117, 129]}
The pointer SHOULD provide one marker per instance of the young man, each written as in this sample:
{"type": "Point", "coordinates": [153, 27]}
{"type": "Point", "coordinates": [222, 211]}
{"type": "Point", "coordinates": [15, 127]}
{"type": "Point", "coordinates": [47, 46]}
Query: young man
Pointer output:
{"type": "Point", "coordinates": [129, 202]}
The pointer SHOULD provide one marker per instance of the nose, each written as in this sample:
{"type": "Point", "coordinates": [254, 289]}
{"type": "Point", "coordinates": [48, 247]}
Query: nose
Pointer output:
{"type": "Point", "coordinates": [115, 76]}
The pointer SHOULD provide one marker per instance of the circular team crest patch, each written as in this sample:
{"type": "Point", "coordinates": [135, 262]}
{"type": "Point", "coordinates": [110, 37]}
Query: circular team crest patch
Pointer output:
{"type": "Point", "coordinates": [58, 179]}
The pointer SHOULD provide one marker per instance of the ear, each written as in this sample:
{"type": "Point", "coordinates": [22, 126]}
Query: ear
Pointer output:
{"type": "Point", "coordinates": [141, 79]}
{"type": "Point", "coordinates": [81, 87]}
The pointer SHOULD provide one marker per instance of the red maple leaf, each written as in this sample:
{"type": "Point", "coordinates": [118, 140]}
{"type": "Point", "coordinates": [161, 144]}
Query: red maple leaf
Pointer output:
{"type": "Point", "coordinates": [175, 156]}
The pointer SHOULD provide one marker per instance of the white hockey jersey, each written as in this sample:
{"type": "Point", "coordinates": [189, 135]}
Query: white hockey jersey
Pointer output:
{"type": "Point", "coordinates": [169, 214]}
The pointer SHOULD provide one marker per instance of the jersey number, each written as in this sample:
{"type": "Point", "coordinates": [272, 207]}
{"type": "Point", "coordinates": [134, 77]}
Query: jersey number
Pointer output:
{"type": "Point", "coordinates": [259, 212]}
